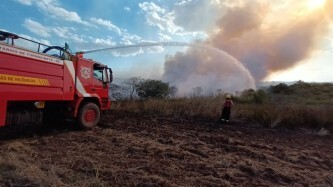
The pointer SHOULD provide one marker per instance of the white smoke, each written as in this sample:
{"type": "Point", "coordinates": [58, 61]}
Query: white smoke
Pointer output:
{"type": "Point", "coordinates": [208, 68]}
{"type": "Point", "coordinates": [263, 36]}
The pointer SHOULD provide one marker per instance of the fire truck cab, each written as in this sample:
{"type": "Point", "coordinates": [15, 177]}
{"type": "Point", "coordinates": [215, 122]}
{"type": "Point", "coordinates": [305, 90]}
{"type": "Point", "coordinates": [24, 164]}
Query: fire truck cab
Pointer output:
{"type": "Point", "coordinates": [46, 84]}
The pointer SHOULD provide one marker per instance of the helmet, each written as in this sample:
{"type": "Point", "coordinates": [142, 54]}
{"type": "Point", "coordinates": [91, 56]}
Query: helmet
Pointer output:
{"type": "Point", "coordinates": [228, 96]}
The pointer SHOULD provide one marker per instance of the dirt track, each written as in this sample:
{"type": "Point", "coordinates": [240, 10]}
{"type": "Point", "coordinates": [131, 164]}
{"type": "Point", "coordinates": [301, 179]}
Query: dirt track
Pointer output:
{"type": "Point", "coordinates": [135, 150]}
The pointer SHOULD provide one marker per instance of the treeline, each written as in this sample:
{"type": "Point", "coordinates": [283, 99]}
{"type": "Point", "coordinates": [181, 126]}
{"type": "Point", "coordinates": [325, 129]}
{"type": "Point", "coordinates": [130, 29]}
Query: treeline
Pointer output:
{"type": "Point", "coordinates": [299, 92]}
{"type": "Point", "coordinates": [303, 92]}
{"type": "Point", "coordinates": [291, 106]}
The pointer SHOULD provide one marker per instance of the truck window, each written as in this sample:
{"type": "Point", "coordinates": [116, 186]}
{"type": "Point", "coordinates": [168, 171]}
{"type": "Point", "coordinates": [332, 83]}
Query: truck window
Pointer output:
{"type": "Point", "coordinates": [98, 74]}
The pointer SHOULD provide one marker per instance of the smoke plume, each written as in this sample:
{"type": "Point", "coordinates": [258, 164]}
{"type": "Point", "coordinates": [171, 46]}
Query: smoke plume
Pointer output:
{"type": "Point", "coordinates": [208, 68]}
{"type": "Point", "coordinates": [261, 35]}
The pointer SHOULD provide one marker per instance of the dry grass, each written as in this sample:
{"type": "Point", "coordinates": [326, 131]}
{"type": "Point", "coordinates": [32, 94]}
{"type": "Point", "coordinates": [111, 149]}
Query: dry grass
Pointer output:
{"type": "Point", "coordinates": [134, 149]}
{"type": "Point", "coordinates": [20, 166]}
{"type": "Point", "coordinates": [296, 106]}
{"type": "Point", "coordinates": [291, 116]}
{"type": "Point", "coordinates": [268, 114]}
{"type": "Point", "coordinates": [144, 150]}
{"type": "Point", "coordinates": [203, 107]}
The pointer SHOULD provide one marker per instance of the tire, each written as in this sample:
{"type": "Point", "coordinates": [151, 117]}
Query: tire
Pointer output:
{"type": "Point", "coordinates": [88, 116]}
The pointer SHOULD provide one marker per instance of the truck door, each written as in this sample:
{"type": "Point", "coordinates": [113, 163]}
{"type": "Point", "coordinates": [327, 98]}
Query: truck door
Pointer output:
{"type": "Point", "coordinates": [99, 85]}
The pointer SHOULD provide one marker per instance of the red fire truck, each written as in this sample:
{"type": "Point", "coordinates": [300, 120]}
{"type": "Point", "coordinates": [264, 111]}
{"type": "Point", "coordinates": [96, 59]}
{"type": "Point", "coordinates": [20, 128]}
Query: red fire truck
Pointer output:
{"type": "Point", "coordinates": [41, 83]}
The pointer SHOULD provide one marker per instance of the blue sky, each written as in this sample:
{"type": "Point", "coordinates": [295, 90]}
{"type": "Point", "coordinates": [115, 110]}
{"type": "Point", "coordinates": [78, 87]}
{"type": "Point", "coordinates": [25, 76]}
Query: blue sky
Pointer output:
{"type": "Point", "coordinates": [88, 24]}
{"type": "Point", "coordinates": [92, 25]}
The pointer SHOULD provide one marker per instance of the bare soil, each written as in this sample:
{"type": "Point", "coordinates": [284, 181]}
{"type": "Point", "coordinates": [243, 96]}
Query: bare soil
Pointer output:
{"type": "Point", "coordinates": [136, 150]}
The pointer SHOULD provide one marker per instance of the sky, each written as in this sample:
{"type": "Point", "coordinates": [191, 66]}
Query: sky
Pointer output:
{"type": "Point", "coordinates": [231, 44]}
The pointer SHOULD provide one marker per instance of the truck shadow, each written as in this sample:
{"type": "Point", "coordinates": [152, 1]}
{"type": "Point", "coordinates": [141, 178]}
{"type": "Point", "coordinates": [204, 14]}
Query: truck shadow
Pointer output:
{"type": "Point", "coordinates": [34, 131]}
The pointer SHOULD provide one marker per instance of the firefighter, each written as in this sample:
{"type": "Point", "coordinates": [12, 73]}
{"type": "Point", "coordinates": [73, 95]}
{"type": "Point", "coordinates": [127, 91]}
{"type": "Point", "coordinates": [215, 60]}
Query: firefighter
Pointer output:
{"type": "Point", "coordinates": [226, 108]}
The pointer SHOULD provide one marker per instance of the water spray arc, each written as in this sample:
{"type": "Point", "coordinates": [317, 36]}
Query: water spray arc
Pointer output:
{"type": "Point", "coordinates": [143, 44]}
{"type": "Point", "coordinates": [170, 44]}
{"type": "Point", "coordinates": [214, 69]}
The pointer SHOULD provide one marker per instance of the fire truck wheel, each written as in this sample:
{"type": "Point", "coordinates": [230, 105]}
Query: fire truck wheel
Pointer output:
{"type": "Point", "coordinates": [88, 116]}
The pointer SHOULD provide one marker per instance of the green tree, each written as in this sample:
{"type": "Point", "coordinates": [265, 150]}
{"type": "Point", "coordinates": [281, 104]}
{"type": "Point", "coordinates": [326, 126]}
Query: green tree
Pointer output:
{"type": "Point", "coordinates": [281, 88]}
{"type": "Point", "coordinates": [260, 96]}
{"type": "Point", "coordinates": [247, 94]}
{"type": "Point", "coordinates": [153, 88]}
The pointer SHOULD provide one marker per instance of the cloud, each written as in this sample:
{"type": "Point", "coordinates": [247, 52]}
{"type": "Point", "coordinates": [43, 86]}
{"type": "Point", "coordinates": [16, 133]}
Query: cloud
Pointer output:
{"type": "Point", "coordinates": [104, 42]}
{"type": "Point", "coordinates": [184, 2]}
{"type": "Point", "coordinates": [68, 33]}
{"type": "Point", "coordinates": [37, 28]}
{"type": "Point", "coordinates": [127, 39]}
{"type": "Point", "coordinates": [164, 37]}
{"type": "Point", "coordinates": [51, 7]}
{"type": "Point", "coordinates": [157, 16]}
{"type": "Point", "coordinates": [130, 39]}
{"type": "Point", "coordinates": [151, 7]}
{"type": "Point", "coordinates": [135, 46]}
{"type": "Point", "coordinates": [126, 8]}
{"type": "Point", "coordinates": [108, 24]}
{"type": "Point", "coordinates": [87, 43]}
{"type": "Point", "coordinates": [25, 2]}
{"type": "Point", "coordinates": [44, 31]}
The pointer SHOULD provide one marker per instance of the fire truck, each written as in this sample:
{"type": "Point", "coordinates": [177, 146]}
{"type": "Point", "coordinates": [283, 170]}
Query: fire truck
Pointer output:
{"type": "Point", "coordinates": [47, 84]}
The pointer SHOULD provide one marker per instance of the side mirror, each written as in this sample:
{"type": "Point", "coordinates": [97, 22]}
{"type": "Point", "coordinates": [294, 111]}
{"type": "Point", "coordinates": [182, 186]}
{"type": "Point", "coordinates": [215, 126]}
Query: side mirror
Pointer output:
{"type": "Point", "coordinates": [107, 75]}
{"type": "Point", "coordinates": [110, 74]}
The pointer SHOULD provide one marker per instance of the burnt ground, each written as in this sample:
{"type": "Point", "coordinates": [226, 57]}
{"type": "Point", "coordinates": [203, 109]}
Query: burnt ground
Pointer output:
{"type": "Point", "coordinates": [136, 150]}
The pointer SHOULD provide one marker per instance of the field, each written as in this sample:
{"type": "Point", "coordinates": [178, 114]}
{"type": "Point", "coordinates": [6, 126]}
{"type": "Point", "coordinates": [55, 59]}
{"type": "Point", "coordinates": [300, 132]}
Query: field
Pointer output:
{"type": "Point", "coordinates": [133, 149]}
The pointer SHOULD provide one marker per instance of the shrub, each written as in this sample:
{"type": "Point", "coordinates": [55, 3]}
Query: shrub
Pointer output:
{"type": "Point", "coordinates": [281, 88]}
{"type": "Point", "coordinates": [153, 88]}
